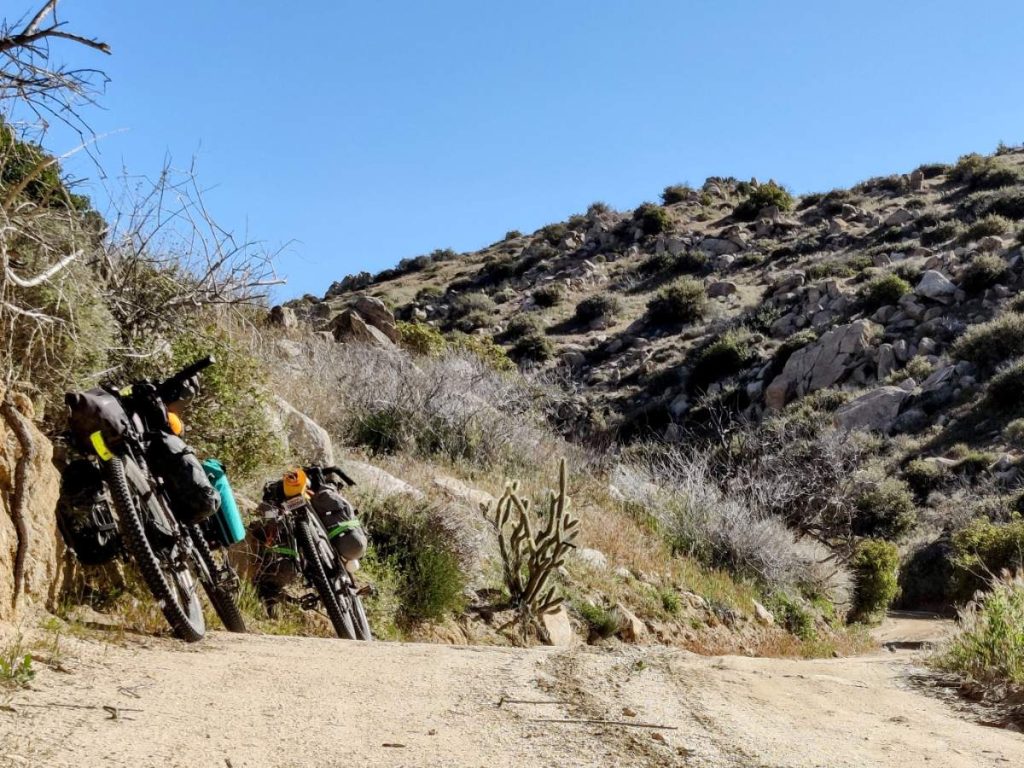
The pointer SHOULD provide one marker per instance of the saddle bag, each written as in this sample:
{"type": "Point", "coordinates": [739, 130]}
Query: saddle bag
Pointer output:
{"type": "Point", "coordinates": [193, 498]}
{"type": "Point", "coordinates": [96, 410]}
{"type": "Point", "coordinates": [84, 517]}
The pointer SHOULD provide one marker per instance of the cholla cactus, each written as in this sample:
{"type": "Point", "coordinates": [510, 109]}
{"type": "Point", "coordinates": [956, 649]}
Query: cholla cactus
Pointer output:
{"type": "Point", "coordinates": [529, 558]}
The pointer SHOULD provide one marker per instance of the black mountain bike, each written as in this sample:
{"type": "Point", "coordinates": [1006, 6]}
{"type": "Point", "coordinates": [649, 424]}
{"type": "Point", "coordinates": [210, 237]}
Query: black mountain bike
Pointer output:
{"type": "Point", "coordinates": [292, 529]}
{"type": "Point", "coordinates": [120, 427]}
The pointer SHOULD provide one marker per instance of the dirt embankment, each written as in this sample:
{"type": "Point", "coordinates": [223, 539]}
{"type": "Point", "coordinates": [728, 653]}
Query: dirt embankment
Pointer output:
{"type": "Point", "coordinates": [256, 702]}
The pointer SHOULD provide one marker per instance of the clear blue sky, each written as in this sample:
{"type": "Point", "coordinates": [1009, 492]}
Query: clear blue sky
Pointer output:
{"type": "Point", "coordinates": [371, 131]}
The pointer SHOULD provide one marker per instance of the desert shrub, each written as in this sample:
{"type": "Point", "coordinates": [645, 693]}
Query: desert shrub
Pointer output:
{"type": "Point", "coordinates": [676, 193]}
{"type": "Point", "coordinates": [1013, 433]}
{"type": "Point", "coordinates": [653, 219]}
{"type": "Point", "coordinates": [420, 339]}
{"type": "Point", "coordinates": [923, 477]}
{"type": "Point", "coordinates": [533, 347]}
{"type": "Point", "coordinates": [519, 326]}
{"type": "Point", "coordinates": [876, 579]}
{"type": "Point", "coordinates": [980, 173]}
{"type": "Point", "coordinates": [990, 344]}
{"type": "Point", "coordinates": [885, 510]}
{"type": "Point", "coordinates": [553, 234]}
{"type": "Point", "coordinates": [1006, 388]}
{"type": "Point", "coordinates": [810, 201]}
{"type": "Point", "coordinates": [883, 290]}
{"type": "Point", "coordinates": [931, 170]}
{"type": "Point", "coordinates": [760, 197]}
{"type": "Point", "coordinates": [728, 354]}
{"type": "Point", "coordinates": [415, 264]}
{"type": "Point", "coordinates": [983, 272]}
{"type": "Point", "coordinates": [548, 295]}
{"type": "Point", "coordinates": [428, 550]}
{"type": "Point", "coordinates": [429, 294]}
{"type": "Point", "coordinates": [492, 272]}
{"type": "Point", "coordinates": [984, 549]}
{"type": "Point", "coordinates": [601, 622]}
{"type": "Point", "coordinates": [792, 615]}
{"type": "Point", "coordinates": [598, 306]}
{"type": "Point", "coordinates": [731, 529]}
{"type": "Point", "coordinates": [471, 321]}
{"type": "Point", "coordinates": [468, 303]}
{"type": "Point", "coordinates": [513, 234]}
{"type": "Point", "coordinates": [665, 264]}
{"type": "Point", "coordinates": [25, 160]}
{"type": "Point", "coordinates": [454, 405]}
{"type": "Point", "coordinates": [230, 418]}
{"type": "Point", "coordinates": [1007, 202]}
{"type": "Point", "coordinates": [940, 233]}
{"type": "Point", "coordinates": [992, 224]}
{"type": "Point", "coordinates": [598, 207]}
{"type": "Point", "coordinates": [988, 646]}
{"type": "Point", "coordinates": [482, 348]}
{"type": "Point", "coordinates": [821, 270]}
{"type": "Point", "coordinates": [684, 301]}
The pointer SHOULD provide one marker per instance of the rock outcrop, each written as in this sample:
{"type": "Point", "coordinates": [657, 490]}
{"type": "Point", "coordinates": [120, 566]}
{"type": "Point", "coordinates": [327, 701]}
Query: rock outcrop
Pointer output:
{"type": "Point", "coordinates": [39, 540]}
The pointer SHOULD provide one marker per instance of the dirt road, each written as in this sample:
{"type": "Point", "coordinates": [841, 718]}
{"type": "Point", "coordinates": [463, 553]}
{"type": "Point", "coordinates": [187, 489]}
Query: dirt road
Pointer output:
{"type": "Point", "coordinates": [282, 702]}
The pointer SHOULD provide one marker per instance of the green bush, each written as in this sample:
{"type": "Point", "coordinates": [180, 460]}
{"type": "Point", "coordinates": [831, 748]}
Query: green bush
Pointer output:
{"type": "Point", "coordinates": [1006, 389]}
{"type": "Point", "coordinates": [821, 270]}
{"type": "Point", "coordinates": [548, 295]}
{"type": "Point", "coordinates": [481, 347]}
{"type": "Point", "coordinates": [472, 302]}
{"type": "Point", "coordinates": [22, 162]}
{"type": "Point", "coordinates": [728, 354]}
{"type": "Point", "coordinates": [876, 579]}
{"type": "Point", "coordinates": [760, 197]}
{"type": "Point", "coordinates": [1007, 202]}
{"type": "Point", "coordinates": [931, 170]}
{"type": "Point", "coordinates": [990, 344]}
{"type": "Point", "coordinates": [471, 321]}
{"type": "Point", "coordinates": [684, 301]}
{"type": "Point", "coordinates": [385, 431]}
{"type": "Point", "coordinates": [553, 234]}
{"type": "Point", "coordinates": [981, 173]}
{"type": "Point", "coordinates": [429, 294]}
{"type": "Point", "coordinates": [941, 233]}
{"type": "Point", "coordinates": [885, 510]}
{"type": "Point", "coordinates": [653, 219]}
{"type": "Point", "coordinates": [988, 646]}
{"type": "Point", "coordinates": [229, 420]}
{"type": "Point", "coordinates": [1013, 433]}
{"type": "Point", "coordinates": [923, 477]}
{"type": "Point", "coordinates": [513, 234]}
{"type": "Point", "coordinates": [883, 290]}
{"type": "Point", "coordinates": [519, 326]}
{"type": "Point", "coordinates": [420, 339]}
{"type": "Point", "coordinates": [993, 224]}
{"type": "Point", "coordinates": [665, 264]}
{"type": "Point", "coordinates": [676, 193]}
{"type": "Point", "coordinates": [596, 307]}
{"type": "Point", "coordinates": [984, 549]}
{"type": "Point", "coordinates": [532, 347]}
{"type": "Point", "coordinates": [793, 616]}
{"type": "Point", "coordinates": [601, 621]}
{"type": "Point", "coordinates": [417, 542]}
{"type": "Point", "coordinates": [983, 272]}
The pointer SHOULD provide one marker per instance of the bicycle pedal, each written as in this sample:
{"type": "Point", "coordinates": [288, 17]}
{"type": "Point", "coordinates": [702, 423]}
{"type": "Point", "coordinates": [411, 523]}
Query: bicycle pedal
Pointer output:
{"type": "Point", "coordinates": [367, 590]}
{"type": "Point", "coordinates": [309, 602]}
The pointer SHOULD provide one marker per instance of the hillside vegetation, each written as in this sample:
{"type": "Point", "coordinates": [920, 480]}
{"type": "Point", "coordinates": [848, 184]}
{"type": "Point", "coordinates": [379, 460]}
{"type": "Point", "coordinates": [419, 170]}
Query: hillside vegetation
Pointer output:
{"type": "Point", "coordinates": [846, 364]}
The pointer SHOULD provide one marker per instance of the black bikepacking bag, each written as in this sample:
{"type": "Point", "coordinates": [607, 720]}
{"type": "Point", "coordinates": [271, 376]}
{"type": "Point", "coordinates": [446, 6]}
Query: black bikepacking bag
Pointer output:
{"type": "Point", "coordinates": [92, 411]}
{"type": "Point", "coordinates": [84, 517]}
{"type": "Point", "coordinates": [193, 498]}
{"type": "Point", "coordinates": [340, 521]}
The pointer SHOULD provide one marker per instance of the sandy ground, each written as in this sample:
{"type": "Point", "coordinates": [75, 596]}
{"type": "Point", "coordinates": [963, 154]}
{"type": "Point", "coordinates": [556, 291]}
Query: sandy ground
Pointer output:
{"type": "Point", "coordinates": [277, 702]}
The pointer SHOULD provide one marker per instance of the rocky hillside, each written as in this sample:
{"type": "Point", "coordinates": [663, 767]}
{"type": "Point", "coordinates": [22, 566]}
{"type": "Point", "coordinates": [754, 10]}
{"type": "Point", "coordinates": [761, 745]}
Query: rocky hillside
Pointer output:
{"type": "Point", "coordinates": [652, 314]}
{"type": "Point", "coordinates": [889, 309]}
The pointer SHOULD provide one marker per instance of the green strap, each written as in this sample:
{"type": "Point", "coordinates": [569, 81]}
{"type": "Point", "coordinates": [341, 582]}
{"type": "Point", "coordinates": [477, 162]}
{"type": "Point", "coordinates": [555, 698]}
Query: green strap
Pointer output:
{"type": "Point", "coordinates": [285, 551]}
{"type": "Point", "coordinates": [343, 527]}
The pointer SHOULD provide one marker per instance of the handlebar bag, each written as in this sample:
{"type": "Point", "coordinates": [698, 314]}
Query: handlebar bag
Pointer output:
{"type": "Point", "coordinates": [96, 410]}
{"type": "Point", "coordinates": [193, 498]}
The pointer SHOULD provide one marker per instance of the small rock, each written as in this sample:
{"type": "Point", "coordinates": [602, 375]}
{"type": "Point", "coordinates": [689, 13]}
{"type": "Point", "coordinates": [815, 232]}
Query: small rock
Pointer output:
{"type": "Point", "coordinates": [628, 712]}
{"type": "Point", "coordinates": [763, 615]}
{"type": "Point", "coordinates": [557, 628]}
{"type": "Point", "coordinates": [593, 558]}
